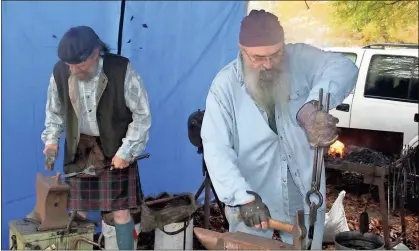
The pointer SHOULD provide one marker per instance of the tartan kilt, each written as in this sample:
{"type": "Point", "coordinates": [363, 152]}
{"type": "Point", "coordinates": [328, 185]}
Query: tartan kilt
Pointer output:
{"type": "Point", "coordinates": [116, 189]}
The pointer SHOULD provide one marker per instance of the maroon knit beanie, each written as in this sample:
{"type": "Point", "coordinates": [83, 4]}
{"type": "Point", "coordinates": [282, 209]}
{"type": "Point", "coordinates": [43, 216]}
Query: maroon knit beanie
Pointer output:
{"type": "Point", "coordinates": [260, 28]}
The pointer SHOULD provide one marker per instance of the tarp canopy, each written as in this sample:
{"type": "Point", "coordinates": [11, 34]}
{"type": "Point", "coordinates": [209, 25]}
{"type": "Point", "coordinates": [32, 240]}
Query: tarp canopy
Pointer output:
{"type": "Point", "coordinates": [177, 47]}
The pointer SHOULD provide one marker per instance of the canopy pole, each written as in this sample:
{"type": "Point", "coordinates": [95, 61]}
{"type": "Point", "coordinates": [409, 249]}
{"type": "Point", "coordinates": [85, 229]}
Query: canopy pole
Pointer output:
{"type": "Point", "coordinates": [121, 26]}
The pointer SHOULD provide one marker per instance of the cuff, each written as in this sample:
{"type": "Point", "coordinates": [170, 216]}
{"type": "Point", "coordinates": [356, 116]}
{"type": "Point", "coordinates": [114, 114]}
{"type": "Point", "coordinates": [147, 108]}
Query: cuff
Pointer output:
{"type": "Point", "coordinates": [305, 111]}
{"type": "Point", "coordinates": [51, 142]}
{"type": "Point", "coordinates": [124, 154]}
{"type": "Point", "coordinates": [241, 197]}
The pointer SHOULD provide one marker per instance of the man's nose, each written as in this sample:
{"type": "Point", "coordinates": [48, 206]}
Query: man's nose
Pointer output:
{"type": "Point", "coordinates": [74, 68]}
{"type": "Point", "coordinates": [268, 64]}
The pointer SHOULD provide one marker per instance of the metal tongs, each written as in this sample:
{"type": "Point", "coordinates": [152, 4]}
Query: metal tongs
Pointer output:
{"type": "Point", "coordinates": [91, 170]}
{"type": "Point", "coordinates": [317, 172]}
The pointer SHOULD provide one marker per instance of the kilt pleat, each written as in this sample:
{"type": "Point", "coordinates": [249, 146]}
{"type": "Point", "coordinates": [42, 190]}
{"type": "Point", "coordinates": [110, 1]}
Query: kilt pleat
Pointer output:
{"type": "Point", "coordinates": [116, 189]}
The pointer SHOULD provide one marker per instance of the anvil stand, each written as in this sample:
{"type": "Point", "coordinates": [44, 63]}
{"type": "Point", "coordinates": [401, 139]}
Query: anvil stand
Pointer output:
{"type": "Point", "coordinates": [207, 184]}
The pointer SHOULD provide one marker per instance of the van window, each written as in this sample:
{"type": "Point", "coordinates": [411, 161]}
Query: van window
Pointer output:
{"type": "Point", "coordinates": [393, 78]}
{"type": "Point", "coordinates": [351, 56]}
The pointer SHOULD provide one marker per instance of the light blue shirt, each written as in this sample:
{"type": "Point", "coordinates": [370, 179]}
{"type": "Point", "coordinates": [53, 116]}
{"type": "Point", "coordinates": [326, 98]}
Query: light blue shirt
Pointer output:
{"type": "Point", "coordinates": [243, 153]}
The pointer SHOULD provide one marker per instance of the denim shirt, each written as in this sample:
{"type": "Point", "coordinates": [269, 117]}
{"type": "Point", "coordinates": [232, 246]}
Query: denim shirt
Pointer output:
{"type": "Point", "coordinates": [242, 152]}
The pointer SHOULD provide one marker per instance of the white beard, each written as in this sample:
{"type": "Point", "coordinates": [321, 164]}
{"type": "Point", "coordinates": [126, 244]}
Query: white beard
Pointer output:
{"type": "Point", "coordinates": [268, 94]}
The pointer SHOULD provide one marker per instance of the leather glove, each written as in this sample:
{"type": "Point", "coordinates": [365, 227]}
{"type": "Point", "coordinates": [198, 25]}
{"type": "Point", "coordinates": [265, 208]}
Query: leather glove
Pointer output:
{"type": "Point", "coordinates": [255, 212]}
{"type": "Point", "coordinates": [319, 126]}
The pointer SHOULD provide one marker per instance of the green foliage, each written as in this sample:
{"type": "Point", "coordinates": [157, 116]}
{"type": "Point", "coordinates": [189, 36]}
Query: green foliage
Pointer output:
{"type": "Point", "coordinates": [378, 21]}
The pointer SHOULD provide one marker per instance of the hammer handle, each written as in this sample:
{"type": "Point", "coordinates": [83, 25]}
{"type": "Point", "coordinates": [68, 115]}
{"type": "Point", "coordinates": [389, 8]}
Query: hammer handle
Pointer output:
{"type": "Point", "coordinates": [280, 226]}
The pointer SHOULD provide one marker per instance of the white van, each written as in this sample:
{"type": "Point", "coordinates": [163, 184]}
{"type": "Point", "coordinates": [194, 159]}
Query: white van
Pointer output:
{"type": "Point", "coordinates": [382, 111]}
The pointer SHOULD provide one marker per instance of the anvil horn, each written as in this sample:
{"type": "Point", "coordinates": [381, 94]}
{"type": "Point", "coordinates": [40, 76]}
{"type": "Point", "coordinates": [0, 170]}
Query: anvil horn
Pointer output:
{"type": "Point", "coordinates": [212, 240]}
{"type": "Point", "coordinates": [207, 237]}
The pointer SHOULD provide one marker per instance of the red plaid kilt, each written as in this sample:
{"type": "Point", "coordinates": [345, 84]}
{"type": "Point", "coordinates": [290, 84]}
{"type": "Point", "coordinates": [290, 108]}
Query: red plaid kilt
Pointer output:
{"type": "Point", "coordinates": [115, 189]}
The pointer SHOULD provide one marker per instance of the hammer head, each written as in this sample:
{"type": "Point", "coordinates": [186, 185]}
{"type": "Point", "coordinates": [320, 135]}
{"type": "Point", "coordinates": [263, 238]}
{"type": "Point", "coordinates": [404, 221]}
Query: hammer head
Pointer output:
{"type": "Point", "coordinates": [237, 241]}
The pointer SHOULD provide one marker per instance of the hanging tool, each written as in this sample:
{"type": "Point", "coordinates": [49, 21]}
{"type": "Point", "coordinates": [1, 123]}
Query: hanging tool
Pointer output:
{"type": "Point", "coordinates": [316, 177]}
{"type": "Point", "coordinates": [91, 170]}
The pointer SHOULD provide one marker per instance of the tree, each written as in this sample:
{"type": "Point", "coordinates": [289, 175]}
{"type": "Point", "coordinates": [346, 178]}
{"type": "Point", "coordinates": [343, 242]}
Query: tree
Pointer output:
{"type": "Point", "coordinates": [378, 21]}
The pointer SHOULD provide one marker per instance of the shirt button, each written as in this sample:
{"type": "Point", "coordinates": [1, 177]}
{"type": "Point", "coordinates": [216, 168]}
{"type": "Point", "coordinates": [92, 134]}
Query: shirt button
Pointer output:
{"type": "Point", "coordinates": [280, 137]}
{"type": "Point", "coordinates": [296, 173]}
{"type": "Point", "coordinates": [88, 96]}
{"type": "Point", "coordinates": [90, 110]}
{"type": "Point", "coordinates": [284, 159]}
{"type": "Point", "coordinates": [284, 180]}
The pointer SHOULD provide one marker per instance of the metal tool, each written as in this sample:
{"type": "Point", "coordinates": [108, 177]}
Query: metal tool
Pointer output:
{"type": "Point", "coordinates": [91, 170]}
{"type": "Point", "coordinates": [239, 240]}
{"type": "Point", "coordinates": [316, 177]}
{"type": "Point", "coordinates": [276, 225]}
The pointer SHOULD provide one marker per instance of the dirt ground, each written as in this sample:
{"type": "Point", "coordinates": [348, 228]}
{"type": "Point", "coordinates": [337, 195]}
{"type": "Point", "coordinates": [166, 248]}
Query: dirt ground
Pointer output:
{"type": "Point", "coordinates": [354, 203]}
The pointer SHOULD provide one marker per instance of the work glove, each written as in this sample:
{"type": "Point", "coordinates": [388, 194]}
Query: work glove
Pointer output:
{"type": "Point", "coordinates": [255, 212]}
{"type": "Point", "coordinates": [320, 127]}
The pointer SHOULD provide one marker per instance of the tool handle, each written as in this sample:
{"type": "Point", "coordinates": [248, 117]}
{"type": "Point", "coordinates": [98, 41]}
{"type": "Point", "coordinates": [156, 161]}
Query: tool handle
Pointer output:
{"type": "Point", "coordinates": [280, 226]}
{"type": "Point", "coordinates": [144, 156]}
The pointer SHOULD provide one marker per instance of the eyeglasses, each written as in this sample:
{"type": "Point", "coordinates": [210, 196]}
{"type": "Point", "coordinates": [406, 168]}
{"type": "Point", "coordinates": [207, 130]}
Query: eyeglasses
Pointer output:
{"type": "Point", "coordinates": [259, 60]}
{"type": "Point", "coordinates": [83, 65]}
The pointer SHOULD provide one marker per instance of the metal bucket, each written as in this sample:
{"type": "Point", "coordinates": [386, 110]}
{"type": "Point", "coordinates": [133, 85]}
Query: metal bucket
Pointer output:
{"type": "Point", "coordinates": [354, 240]}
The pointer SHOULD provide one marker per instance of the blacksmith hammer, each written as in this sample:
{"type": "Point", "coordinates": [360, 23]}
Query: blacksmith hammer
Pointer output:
{"type": "Point", "coordinates": [237, 241]}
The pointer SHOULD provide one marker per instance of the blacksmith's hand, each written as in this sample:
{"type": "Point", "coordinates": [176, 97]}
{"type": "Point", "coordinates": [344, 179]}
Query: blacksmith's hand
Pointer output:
{"type": "Point", "coordinates": [119, 163]}
{"type": "Point", "coordinates": [50, 147]}
{"type": "Point", "coordinates": [319, 126]}
{"type": "Point", "coordinates": [255, 213]}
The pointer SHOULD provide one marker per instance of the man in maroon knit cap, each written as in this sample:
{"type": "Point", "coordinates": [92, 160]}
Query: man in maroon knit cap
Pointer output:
{"type": "Point", "coordinates": [261, 124]}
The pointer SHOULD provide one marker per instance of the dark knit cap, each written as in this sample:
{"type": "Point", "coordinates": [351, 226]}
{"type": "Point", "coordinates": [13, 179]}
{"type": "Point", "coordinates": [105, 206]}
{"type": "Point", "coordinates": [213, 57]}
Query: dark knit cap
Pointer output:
{"type": "Point", "coordinates": [78, 44]}
{"type": "Point", "coordinates": [260, 28]}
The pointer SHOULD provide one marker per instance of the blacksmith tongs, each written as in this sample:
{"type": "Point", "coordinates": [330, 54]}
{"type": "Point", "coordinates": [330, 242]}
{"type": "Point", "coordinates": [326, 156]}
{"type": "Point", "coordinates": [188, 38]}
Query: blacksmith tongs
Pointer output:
{"type": "Point", "coordinates": [316, 177]}
{"type": "Point", "coordinates": [91, 170]}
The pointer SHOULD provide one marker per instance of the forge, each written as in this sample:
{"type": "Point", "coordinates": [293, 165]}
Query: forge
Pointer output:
{"type": "Point", "coordinates": [375, 167]}
{"type": "Point", "coordinates": [339, 153]}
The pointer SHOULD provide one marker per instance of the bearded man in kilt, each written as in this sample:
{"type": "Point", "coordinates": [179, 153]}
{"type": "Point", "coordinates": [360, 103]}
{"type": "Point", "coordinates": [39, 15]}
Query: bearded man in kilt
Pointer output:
{"type": "Point", "coordinates": [100, 101]}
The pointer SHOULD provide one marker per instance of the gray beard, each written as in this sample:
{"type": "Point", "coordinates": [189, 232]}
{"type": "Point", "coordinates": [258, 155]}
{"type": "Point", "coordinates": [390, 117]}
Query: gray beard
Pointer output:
{"type": "Point", "coordinates": [268, 93]}
{"type": "Point", "coordinates": [87, 75]}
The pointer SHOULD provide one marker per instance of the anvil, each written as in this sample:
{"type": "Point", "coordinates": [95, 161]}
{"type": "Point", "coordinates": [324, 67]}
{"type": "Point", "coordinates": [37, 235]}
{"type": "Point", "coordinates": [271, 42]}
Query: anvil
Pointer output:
{"type": "Point", "coordinates": [212, 240]}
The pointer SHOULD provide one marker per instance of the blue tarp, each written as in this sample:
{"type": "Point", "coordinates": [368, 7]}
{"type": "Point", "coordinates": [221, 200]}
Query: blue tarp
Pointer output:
{"type": "Point", "coordinates": [184, 45]}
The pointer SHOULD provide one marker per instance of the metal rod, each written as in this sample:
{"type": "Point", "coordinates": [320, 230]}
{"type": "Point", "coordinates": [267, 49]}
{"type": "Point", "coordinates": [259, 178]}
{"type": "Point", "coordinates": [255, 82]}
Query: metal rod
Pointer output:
{"type": "Point", "coordinates": [316, 148]}
{"type": "Point", "coordinates": [207, 197]}
{"type": "Point", "coordinates": [201, 188]}
{"type": "Point", "coordinates": [83, 239]}
{"type": "Point", "coordinates": [383, 209]}
{"type": "Point", "coordinates": [321, 150]}
{"type": "Point", "coordinates": [402, 203]}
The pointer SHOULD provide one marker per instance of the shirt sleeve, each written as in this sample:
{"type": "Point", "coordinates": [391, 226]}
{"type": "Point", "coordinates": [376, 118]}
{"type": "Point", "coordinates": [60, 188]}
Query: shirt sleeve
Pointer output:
{"type": "Point", "coordinates": [136, 100]}
{"type": "Point", "coordinates": [220, 157]}
{"type": "Point", "coordinates": [54, 115]}
{"type": "Point", "coordinates": [331, 71]}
